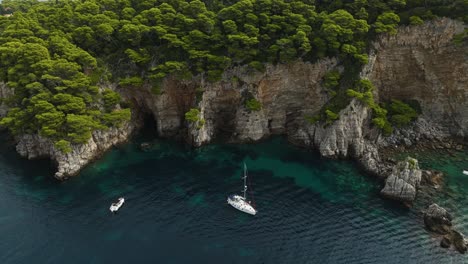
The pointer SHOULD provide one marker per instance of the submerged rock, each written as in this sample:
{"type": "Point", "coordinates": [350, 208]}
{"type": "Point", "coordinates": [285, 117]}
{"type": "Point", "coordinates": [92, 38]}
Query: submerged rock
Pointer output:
{"type": "Point", "coordinates": [459, 241]}
{"type": "Point", "coordinates": [432, 178]}
{"type": "Point", "coordinates": [403, 182]}
{"type": "Point", "coordinates": [446, 242]}
{"type": "Point", "coordinates": [439, 221]}
{"type": "Point", "coordinates": [145, 146]}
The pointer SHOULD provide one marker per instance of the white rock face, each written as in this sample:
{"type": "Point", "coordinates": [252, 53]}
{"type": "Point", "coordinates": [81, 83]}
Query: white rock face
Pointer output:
{"type": "Point", "coordinates": [35, 146]}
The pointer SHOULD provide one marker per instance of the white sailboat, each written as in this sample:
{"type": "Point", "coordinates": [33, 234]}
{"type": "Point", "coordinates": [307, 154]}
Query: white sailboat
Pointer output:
{"type": "Point", "coordinates": [240, 202]}
{"type": "Point", "coordinates": [465, 172]}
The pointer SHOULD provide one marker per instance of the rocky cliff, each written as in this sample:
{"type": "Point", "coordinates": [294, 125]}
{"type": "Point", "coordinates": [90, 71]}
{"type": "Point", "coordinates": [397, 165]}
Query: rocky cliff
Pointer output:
{"type": "Point", "coordinates": [33, 146]}
{"type": "Point", "coordinates": [69, 164]}
{"type": "Point", "coordinates": [422, 63]}
{"type": "Point", "coordinates": [419, 63]}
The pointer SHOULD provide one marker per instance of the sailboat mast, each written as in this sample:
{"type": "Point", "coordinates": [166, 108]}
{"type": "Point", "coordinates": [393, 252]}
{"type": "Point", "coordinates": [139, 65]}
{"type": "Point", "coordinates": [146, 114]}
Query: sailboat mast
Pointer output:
{"type": "Point", "coordinates": [245, 181]}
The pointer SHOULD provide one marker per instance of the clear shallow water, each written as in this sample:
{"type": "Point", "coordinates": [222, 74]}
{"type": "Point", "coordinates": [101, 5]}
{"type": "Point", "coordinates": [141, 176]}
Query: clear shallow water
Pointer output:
{"type": "Point", "coordinates": [311, 210]}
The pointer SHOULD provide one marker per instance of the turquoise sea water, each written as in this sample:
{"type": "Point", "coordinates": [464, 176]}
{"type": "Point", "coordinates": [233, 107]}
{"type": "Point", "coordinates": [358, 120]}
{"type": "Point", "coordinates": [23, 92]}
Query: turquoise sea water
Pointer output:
{"type": "Point", "coordinates": [311, 210]}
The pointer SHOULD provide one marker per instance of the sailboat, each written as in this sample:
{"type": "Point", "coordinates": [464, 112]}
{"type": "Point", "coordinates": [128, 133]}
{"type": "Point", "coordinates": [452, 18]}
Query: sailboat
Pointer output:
{"type": "Point", "coordinates": [465, 172]}
{"type": "Point", "coordinates": [240, 202]}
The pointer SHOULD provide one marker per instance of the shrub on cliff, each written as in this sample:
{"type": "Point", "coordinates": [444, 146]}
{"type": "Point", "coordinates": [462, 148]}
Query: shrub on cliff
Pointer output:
{"type": "Point", "coordinates": [331, 116]}
{"type": "Point", "coordinates": [253, 104]}
{"type": "Point", "coordinates": [63, 146]}
{"type": "Point", "coordinates": [401, 114]}
{"type": "Point", "coordinates": [415, 20]}
{"type": "Point", "coordinates": [363, 92]}
{"type": "Point", "coordinates": [193, 116]}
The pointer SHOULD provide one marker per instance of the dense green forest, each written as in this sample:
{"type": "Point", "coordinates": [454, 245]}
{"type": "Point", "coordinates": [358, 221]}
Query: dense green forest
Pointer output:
{"type": "Point", "coordinates": [57, 55]}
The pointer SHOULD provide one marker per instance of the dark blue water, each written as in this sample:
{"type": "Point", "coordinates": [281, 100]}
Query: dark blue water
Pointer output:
{"type": "Point", "coordinates": [311, 210]}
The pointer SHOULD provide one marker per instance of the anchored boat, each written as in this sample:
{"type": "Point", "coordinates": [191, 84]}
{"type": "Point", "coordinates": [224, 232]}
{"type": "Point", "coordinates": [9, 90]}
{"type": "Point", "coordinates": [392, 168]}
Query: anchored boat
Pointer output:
{"type": "Point", "coordinates": [465, 172]}
{"type": "Point", "coordinates": [240, 202]}
{"type": "Point", "coordinates": [116, 205]}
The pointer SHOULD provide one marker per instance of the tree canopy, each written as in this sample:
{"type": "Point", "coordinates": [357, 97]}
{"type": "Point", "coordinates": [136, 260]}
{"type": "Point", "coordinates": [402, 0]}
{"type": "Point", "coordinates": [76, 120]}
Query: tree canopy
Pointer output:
{"type": "Point", "coordinates": [55, 54]}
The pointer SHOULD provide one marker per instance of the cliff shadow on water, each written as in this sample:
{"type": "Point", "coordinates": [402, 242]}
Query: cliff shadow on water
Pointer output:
{"type": "Point", "coordinates": [34, 170]}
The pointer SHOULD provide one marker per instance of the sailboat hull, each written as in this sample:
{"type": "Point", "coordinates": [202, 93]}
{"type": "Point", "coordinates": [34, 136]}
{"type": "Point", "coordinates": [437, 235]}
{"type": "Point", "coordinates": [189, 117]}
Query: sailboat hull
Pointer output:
{"type": "Point", "coordinates": [241, 204]}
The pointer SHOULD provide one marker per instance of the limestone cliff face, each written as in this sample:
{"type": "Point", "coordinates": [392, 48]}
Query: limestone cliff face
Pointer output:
{"type": "Point", "coordinates": [167, 106]}
{"type": "Point", "coordinates": [419, 63]}
{"type": "Point", "coordinates": [287, 93]}
{"type": "Point", "coordinates": [35, 146]}
{"type": "Point", "coordinates": [422, 63]}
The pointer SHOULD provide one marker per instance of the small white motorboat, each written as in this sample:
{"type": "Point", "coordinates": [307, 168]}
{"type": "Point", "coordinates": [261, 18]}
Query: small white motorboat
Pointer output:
{"type": "Point", "coordinates": [465, 172]}
{"type": "Point", "coordinates": [116, 205]}
{"type": "Point", "coordinates": [240, 202]}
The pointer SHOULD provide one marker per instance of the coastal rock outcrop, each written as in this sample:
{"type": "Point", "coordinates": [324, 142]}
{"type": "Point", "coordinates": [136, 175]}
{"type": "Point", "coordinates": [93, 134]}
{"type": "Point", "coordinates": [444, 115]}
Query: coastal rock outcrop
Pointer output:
{"type": "Point", "coordinates": [69, 164]}
{"type": "Point", "coordinates": [403, 182]}
{"type": "Point", "coordinates": [439, 221]}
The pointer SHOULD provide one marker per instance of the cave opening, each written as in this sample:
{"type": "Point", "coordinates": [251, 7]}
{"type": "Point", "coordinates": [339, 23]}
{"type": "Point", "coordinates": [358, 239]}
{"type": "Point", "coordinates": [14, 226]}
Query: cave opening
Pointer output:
{"type": "Point", "coordinates": [148, 130]}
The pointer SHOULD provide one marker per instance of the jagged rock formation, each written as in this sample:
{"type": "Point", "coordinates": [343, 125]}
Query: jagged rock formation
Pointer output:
{"type": "Point", "coordinates": [439, 221]}
{"type": "Point", "coordinates": [403, 182]}
{"type": "Point", "coordinates": [69, 164]}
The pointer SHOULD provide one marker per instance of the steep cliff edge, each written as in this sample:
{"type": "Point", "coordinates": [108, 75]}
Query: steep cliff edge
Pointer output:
{"type": "Point", "coordinates": [69, 164]}
{"type": "Point", "coordinates": [422, 63]}
{"type": "Point", "coordinates": [33, 146]}
{"type": "Point", "coordinates": [419, 63]}
{"type": "Point", "coordinates": [287, 94]}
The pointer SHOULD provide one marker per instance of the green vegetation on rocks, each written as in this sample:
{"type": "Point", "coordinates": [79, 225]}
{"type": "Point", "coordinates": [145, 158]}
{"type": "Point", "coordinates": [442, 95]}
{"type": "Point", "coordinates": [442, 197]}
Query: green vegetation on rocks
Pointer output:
{"type": "Point", "coordinates": [55, 54]}
{"type": "Point", "coordinates": [385, 116]}
{"type": "Point", "coordinates": [253, 104]}
{"type": "Point", "coordinates": [193, 116]}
